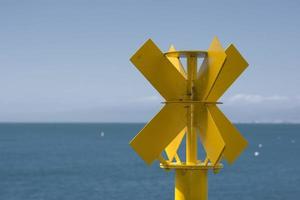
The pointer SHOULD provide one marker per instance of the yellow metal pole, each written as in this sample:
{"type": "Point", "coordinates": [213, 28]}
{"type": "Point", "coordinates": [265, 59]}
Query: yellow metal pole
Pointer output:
{"type": "Point", "coordinates": [191, 184]}
{"type": "Point", "coordinates": [191, 136]}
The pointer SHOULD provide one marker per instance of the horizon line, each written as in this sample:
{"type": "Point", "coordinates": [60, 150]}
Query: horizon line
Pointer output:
{"type": "Point", "coordinates": [117, 122]}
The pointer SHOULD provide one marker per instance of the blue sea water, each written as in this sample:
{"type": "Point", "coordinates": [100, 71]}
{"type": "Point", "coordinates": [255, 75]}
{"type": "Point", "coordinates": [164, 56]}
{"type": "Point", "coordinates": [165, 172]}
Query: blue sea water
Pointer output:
{"type": "Point", "coordinates": [76, 162]}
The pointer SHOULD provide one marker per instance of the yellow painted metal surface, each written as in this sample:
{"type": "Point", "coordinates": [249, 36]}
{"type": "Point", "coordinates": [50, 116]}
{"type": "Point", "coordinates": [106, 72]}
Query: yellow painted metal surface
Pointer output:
{"type": "Point", "coordinates": [234, 65]}
{"type": "Point", "coordinates": [235, 142]}
{"type": "Point", "coordinates": [159, 71]}
{"type": "Point", "coordinates": [191, 166]}
{"type": "Point", "coordinates": [191, 136]}
{"type": "Point", "coordinates": [210, 135]}
{"type": "Point", "coordinates": [184, 54]}
{"type": "Point", "coordinates": [176, 62]}
{"type": "Point", "coordinates": [209, 72]}
{"type": "Point", "coordinates": [159, 132]}
{"type": "Point", "coordinates": [171, 149]}
{"type": "Point", "coordinates": [190, 184]}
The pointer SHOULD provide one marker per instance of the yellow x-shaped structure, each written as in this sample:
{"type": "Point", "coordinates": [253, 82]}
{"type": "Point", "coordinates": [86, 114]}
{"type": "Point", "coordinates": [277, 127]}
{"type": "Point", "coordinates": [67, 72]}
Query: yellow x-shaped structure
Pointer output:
{"type": "Point", "coordinates": [166, 130]}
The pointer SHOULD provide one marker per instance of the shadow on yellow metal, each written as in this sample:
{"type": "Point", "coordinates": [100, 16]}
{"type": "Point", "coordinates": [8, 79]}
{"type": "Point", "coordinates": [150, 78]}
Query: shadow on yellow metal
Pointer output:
{"type": "Point", "coordinates": [190, 110]}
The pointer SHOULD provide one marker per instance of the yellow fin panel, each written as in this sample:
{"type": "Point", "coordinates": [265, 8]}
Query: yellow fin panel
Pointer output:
{"type": "Point", "coordinates": [172, 148]}
{"type": "Point", "coordinates": [209, 71]}
{"type": "Point", "coordinates": [159, 132]}
{"type": "Point", "coordinates": [176, 62]}
{"type": "Point", "coordinates": [235, 142]}
{"type": "Point", "coordinates": [234, 65]}
{"type": "Point", "coordinates": [210, 135]}
{"type": "Point", "coordinates": [159, 71]}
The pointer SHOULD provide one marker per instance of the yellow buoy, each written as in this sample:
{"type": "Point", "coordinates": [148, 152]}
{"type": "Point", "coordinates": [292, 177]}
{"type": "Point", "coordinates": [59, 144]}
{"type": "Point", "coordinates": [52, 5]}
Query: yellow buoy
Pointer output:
{"type": "Point", "coordinates": [190, 110]}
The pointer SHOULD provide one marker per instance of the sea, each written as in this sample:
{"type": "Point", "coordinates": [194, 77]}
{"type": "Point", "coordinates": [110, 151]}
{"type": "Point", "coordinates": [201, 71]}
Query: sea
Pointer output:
{"type": "Point", "coordinates": [93, 161]}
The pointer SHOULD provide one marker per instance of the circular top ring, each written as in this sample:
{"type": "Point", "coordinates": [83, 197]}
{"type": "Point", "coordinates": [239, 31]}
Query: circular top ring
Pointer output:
{"type": "Point", "coordinates": [184, 54]}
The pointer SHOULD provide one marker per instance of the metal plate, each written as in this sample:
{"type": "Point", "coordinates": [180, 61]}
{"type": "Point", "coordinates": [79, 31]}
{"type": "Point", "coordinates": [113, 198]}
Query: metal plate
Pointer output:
{"type": "Point", "coordinates": [160, 72]}
{"type": "Point", "coordinates": [172, 148]}
{"type": "Point", "coordinates": [176, 62]}
{"type": "Point", "coordinates": [234, 65]}
{"type": "Point", "coordinates": [235, 142]}
{"type": "Point", "coordinates": [159, 132]}
{"type": "Point", "coordinates": [210, 135]}
{"type": "Point", "coordinates": [210, 69]}
{"type": "Point", "coordinates": [197, 166]}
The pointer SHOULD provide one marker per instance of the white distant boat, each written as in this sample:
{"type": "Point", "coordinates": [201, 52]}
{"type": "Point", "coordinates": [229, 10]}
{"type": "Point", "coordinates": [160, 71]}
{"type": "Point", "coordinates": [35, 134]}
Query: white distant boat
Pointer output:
{"type": "Point", "coordinates": [102, 134]}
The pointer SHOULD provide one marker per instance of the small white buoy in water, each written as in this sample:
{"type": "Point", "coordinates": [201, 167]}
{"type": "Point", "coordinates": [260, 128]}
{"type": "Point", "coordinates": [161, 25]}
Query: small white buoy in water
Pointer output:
{"type": "Point", "coordinates": [256, 153]}
{"type": "Point", "coordinates": [293, 141]}
{"type": "Point", "coordinates": [260, 145]}
{"type": "Point", "coordinates": [102, 134]}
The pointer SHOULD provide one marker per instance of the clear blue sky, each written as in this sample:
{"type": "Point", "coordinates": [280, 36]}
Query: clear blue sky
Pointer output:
{"type": "Point", "coordinates": [69, 60]}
